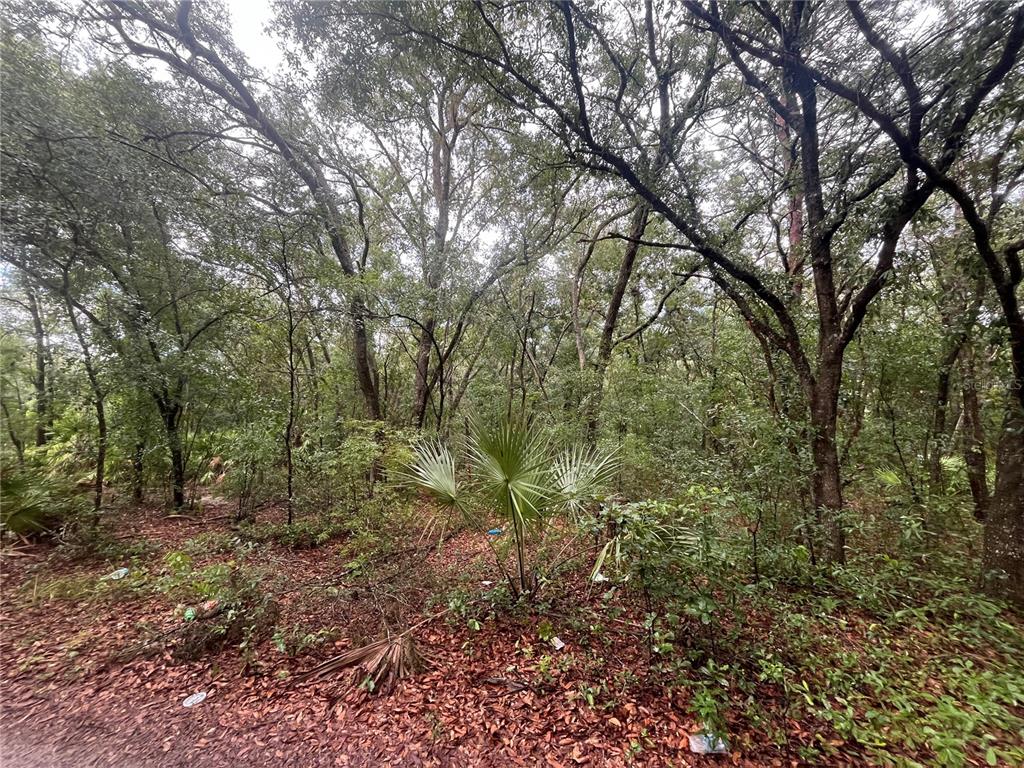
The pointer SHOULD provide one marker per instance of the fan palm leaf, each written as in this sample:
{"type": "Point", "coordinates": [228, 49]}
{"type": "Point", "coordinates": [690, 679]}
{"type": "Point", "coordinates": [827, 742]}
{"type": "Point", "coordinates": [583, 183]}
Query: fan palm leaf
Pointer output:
{"type": "Point", "coordinates": [510, 462]}
{"type": "Point", "coordinates": [579, 473]}
{"type": "Point", "coordinates": [433, 469]}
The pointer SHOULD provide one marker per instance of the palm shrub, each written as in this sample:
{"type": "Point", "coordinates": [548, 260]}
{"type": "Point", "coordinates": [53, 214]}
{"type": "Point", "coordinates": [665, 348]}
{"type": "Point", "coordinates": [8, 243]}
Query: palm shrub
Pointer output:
{"type": "Point", "coordinates": [36, 502]}
{"type": "Point", "coordinates": [515, 472]}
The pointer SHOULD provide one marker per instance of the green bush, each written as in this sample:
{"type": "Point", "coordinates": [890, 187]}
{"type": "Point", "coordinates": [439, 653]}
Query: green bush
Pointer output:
{"type": "Point", "coordinates": [36, 502]}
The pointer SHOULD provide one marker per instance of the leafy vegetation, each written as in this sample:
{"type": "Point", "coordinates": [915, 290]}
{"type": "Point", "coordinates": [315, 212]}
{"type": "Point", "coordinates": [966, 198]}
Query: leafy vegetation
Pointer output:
{"type": "Point", "coordinates": [660, 364]}
{"type": "Point", "coordinates": [515, 475]}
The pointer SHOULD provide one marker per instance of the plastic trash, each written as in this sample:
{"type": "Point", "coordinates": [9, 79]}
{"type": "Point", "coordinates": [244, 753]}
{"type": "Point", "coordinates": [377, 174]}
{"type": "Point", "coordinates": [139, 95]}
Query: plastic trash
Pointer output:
{"type": "Point", "coordinates": [494, 532]}
{"type": "Point", "coordinates": [195, 698]}
{"type": "Point", "coordinates": [120, 573]}
{"type": "Point", "coordinates": [557, 643]}
{"type": "Point", "coordinates": [486, 583]}
{"type": "Point", "coordinates": [708, 743]}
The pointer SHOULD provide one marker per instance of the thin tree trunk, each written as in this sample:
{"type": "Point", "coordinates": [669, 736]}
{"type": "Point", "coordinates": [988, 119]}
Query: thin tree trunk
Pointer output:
{"type": "Point", "coordinates": [421, 393]}
{"type": "Point", "coordinates": [42, 394]}
{"type": "Point", "coordinates": [959, 322]}
{"type": "Point", "coordinates": [138, 472]}
{"type": "Point", "coordinates": [974, 437]}
{"type": "Point", "coordinates": [637, 225]}
{"type": "Point", "coordinates": [289, 430]}
{"type": "Point", "coordinates": [99, 399]}
{"type": "Point", "coordinates": [19, 446]}
{"type": "Point", "coordinates": [290, 427]}
{"type": "Point", "coordinates": [938, 431]}
{"type": "Point", "coordinates": [470, 368]}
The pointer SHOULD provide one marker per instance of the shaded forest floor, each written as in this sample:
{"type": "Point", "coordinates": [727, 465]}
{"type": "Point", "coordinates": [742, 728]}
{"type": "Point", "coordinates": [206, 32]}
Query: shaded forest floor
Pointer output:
{"type": "Point", "coordinates": [95, 669]}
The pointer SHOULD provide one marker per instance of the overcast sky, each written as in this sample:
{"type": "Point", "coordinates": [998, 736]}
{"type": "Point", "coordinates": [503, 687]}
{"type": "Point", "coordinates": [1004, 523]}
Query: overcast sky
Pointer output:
{"type": "Point", "coordinates": [248, 17]}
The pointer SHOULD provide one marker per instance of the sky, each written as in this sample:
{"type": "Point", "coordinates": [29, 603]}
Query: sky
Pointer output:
{"type": "Point", "coordinates": [248, 17]}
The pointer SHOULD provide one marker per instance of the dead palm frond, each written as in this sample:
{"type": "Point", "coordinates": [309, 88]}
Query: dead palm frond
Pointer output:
{"type": "Point", "coordinates": [379, 665]}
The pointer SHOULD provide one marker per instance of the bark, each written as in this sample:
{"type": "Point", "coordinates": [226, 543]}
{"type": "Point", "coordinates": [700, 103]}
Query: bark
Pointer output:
{"type": "Point", "coordinates": [826, 481]}
{"type": "Point", "coordinates": [1003, 546]}
{"type": "Point", "coordinates": [290, 425]}
{"type": "Point", "coordinates": [39, 382]}
{"type": "Point", "coordinates": [19, 446]}
{"type": "Point", "coordinates": [170, 414]}
{"type": "Point", "coordinates": [363, 359]}
{"type": "Point", "coordinates": [637, 225]}
{"type": "Point", "coordinates": [138, 476]}
{"type": "Point", "coordinates": [177, 466]}
{"type": "Point", "coordinates": [792, 259]}
{"type": "Point", "coordinates": [99, 400]}
{"type": "Point", "coordinates": [974, 437]}
{"type": "Point", "coordinates": [826, 478]}
{"type": "Point", "coordinates": [939, 412]}
{"type": "Point", "coordinates": [421, 390]}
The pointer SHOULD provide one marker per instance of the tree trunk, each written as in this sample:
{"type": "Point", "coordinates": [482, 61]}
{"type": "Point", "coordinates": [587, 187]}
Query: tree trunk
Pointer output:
{"type": "Point", "coordinates": [101, 451]}
{"type": "Point", "coordinates": [364, 364]}
{"type": "Point", "coordinates": [99, 398]}
{"type": "Point", "coordinates": [1003, 553]}
{"type": "Point", "coordinates": [290, 426]}
{"type": "Point", "coordinates": [938, 431]}
{"type": "Point", "coordinates": [19, 446]}
{"type": "Point", "coordinates": [637, 225]}
{"type": "Point", "coordinates": [826, 479]}
{"type": "Point", "coordinates": [42, 395]}
{"type": "Point", "coordinates": [289, 430]}
{"type": "Point", "coordinates": [424, 345]}
{"type": "Point", "coordinates": [170, 413]}
{"type": "Point", "coordinates": [974, 438]}
{"type": "Point", "coordinates": [138, 467]}
{"type": "Point", "coordinates": [177, 468]}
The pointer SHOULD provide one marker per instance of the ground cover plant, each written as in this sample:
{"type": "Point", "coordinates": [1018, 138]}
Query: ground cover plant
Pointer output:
{"type": "Point", "coordinates": [483, 384]}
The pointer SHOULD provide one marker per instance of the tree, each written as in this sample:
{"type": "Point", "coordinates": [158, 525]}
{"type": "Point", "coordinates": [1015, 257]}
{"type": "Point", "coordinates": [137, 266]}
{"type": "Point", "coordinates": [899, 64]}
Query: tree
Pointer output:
{"type": "Point", "coordinates": [173, 41]}
{"type": "Point", "coordinates": [609, 92]}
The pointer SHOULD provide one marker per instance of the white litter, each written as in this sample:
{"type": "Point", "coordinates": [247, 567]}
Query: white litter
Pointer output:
{"type": "Point", "coordinates": [708, 743]}
{"type": "Point", "coordinates": [120, 573]}
{"type": "Point", "coordinates": [557, 643]}
{"type": "Point", "coordinates": [195, 698]}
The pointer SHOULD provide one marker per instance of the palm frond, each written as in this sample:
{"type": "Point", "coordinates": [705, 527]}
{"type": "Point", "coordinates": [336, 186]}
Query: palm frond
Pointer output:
{"type": "Point", "coordinates": [381, 664]}
{"type": "Point", "coordinates": [578, 474]}
{"type": "Point", "coordinates": [888, 477]}
{"type": "Point", "coordinates": [35, 502]}
{"type": "Point", "coordinates": [510, 462]}
{"type": "Point", "coordinates": [433, 469]}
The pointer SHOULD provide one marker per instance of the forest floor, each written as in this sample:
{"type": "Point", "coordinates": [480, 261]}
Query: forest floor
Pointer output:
{"type": "Point", "coordinates": [95, 670]}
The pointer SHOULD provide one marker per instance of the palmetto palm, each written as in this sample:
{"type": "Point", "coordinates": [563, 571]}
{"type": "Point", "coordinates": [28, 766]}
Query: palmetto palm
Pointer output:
{"type": "Point", "coordinates": [515, 472]}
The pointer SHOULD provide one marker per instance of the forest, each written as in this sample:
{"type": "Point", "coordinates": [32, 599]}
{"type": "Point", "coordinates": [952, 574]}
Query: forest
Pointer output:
{"type": "Point", "coordinates": [511, 382]}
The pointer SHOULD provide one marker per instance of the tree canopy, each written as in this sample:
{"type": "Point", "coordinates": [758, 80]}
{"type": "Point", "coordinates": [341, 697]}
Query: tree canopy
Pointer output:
{"type": "Point", "coordinates": [767, 247]}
